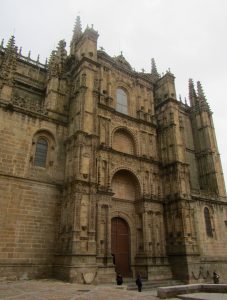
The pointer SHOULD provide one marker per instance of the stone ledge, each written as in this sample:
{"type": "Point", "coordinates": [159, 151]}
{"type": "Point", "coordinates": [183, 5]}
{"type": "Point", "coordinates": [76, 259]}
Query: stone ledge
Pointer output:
{"type": "Point", "coordinates": [173, 291]}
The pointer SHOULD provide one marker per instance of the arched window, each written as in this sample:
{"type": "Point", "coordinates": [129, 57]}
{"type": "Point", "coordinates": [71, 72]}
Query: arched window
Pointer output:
{"type": "Point", "coordinates": [208, 222]}
{"type": "Point", "coordinates": [122, 102]}
{"type": "Point", "coordinates": [41, 152]}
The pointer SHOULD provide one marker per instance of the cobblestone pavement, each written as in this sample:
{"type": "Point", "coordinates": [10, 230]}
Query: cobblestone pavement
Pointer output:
{"type": "Point", "coordinates": [58, 290]}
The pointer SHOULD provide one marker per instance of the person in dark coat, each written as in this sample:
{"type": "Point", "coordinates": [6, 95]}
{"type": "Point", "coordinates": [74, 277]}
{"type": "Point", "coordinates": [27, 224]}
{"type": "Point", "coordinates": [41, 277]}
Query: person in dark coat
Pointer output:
{"type": "Point", "coordinates": [216, 277]}
{"type": "Point", "coordinates": [119, 279]}
{"type": "Point", "coordinates": [139, 282]}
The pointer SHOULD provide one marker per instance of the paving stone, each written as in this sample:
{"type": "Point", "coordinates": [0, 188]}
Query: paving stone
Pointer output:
{"type": "Point", "coordinates": [57, 290]}
{"type": "Point", "coordinates": [204, 296]}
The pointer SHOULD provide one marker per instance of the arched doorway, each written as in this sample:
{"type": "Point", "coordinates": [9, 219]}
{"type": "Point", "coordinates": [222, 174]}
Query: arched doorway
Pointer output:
{"type": "Point", "coordinates": [120, 246]}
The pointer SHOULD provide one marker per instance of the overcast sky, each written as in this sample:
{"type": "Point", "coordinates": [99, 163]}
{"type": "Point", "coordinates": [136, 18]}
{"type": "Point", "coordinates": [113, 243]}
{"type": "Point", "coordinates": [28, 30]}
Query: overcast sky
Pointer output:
{"type": "Point", "coordinates": [187, 36]}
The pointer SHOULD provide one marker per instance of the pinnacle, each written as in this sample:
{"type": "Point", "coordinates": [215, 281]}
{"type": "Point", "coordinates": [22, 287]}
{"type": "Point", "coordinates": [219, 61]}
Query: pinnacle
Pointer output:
{"type": "Point", "coordinates": [154, 71]}
{"type": "Point", "coordinates": [62, 44]}
{"type": "Point", "coordinates": [192, 93]}
{"type": "Point", "coordinates": [11, 42]}
{"type": "Point", "coordinates": [198, 98]}
{"type": "Point", "coordinates": [200, 91]}
{"type": "Point", "coordinates": [77, 32]}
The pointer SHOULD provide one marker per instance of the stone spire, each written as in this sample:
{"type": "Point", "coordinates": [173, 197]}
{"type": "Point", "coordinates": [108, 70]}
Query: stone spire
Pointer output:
{"type": "Point", "coordinates": [53, 65]}
{"type": "Point", "coordinates": [200, 91]}
{"type": "Point", "coordinates": [201, 96]}
{"type": "Point", "coordinates": [154, 72]}
{"type": "Point", "coordinates": [9, 63]}
{"type": "Point", "coordinates": [57, 60]}
{"type": "Point", "coordinates": [11, 43]}
{"type": "Point", "coordinates": [192, 93]}
{"type": "Point", "coordinates": [61, 55]}
{"type": "Point", "coordinates": [77, 32]}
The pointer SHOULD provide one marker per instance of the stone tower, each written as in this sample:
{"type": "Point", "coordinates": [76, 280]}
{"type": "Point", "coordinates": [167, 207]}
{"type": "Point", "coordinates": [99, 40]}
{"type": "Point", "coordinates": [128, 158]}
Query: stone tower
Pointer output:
{"type": "Point", "coordinates": [114, 173]}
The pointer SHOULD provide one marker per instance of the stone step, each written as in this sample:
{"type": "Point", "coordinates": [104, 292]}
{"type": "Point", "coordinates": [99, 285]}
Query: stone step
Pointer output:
{"type": "Point", "coordinates": [149, 285]}
{"type": "Point", "coordinates": [203, 296]}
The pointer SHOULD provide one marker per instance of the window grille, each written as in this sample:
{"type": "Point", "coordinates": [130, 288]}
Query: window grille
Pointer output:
{"type": "Point", "coordinates": [41, 152]}
{"type": "Point", "coordinates": [122, 102]}
{"type": "Point", "coordinates": [209, 230]}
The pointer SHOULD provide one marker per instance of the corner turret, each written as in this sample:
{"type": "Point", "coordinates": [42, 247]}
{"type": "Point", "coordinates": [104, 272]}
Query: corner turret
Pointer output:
{"type": "Point", "coordinates": [84, 44]}
{"type": "Point", "coordinates": [208, 159]}
{"type": "Point", "coordinates": [165, 88]}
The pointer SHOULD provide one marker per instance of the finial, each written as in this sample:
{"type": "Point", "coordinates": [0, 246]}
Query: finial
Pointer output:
{"type": "Point", "coordinates": [11, 42]}
{"type": "Point", "coordinates": [20, 51]}
{"type": "Point", "coordinates": [185, 101]}
{"type": "Point", "coordinates": [92, 26]}
{"type": "Point", "coordinates": [37, 58]}
{"type": "Point", "coordinates": [142, 70]}
{"type": "Point", "coordinates": [46, 61]}
{"type": "Point", "coordinates": [180, 98]}
{"type": "Point", "coordinates": [61, 44]}
{"type": "Point", "coordinates": [101, 48]}
{"type": "Point", "coordinates": [121, 53]}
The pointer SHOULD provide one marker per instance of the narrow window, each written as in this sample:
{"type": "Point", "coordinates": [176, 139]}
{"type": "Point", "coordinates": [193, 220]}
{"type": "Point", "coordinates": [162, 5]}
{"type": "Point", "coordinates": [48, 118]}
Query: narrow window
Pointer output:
{"type": "Point", "coordinates": [41, 152]}
{"type": "Point", "coordinates": [208, 222]}
{"type": "Point", "coordinates": [122, 102]}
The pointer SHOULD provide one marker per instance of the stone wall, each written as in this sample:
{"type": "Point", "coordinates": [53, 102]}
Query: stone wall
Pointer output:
{"type": "Point", "coordinates": [29, 221]}
{"type": "Point", "coordinates": [30, 196]}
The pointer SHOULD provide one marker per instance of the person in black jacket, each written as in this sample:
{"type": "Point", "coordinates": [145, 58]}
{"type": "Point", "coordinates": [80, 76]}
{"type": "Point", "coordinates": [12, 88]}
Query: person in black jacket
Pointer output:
{"type": "Point", "coordinates": [139, 282]}
{"type": "Point", "coordinates": [119, 279]}
{"type": "Point", "coordinates": [216, 277]}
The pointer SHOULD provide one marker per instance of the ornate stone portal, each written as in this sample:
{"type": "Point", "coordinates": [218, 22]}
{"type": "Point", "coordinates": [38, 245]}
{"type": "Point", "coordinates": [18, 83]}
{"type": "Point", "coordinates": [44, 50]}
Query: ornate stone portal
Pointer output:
{"type": "Point", "coordinates": [103, 170]}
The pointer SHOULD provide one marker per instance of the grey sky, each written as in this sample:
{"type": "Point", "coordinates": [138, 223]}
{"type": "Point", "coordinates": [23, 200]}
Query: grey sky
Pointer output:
{"type": "Point", "coordinates": [189, 37]}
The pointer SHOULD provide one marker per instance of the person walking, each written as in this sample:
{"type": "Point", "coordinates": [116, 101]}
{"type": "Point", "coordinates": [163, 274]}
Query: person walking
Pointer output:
{"type": "Point", "coordinates": [119, 279]}
{"type": "Point", "coordinates": [139, 283]}
{"type": "Point", "coordinates": [216, 277]}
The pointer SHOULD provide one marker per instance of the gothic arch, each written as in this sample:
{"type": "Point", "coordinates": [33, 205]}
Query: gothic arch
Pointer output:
{"type": "Point", "coordinates": [127, 218]}
{"type": "Point", "coordinates": [133, 184]}
{"type": "Point", "coordinates": [45, 132]}
{"type": "Point", "coordinates": [132, 171]}
{"type": "Point", "coordinates": [121, 245]}
{"type": "Point", "coordinates": [130, 137]}
{"type": "Point", "coordinates": [130, 221]}
{"type": "Point", "coordinates": [120, 84]}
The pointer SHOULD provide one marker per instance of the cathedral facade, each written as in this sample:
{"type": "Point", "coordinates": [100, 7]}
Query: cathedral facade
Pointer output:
{"type": "Point", "coordinates": [104, 170]}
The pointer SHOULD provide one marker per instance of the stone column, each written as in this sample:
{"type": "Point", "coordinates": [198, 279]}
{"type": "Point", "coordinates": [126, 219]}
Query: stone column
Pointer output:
{"type": "Point", "coordinates": [145, 233]}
